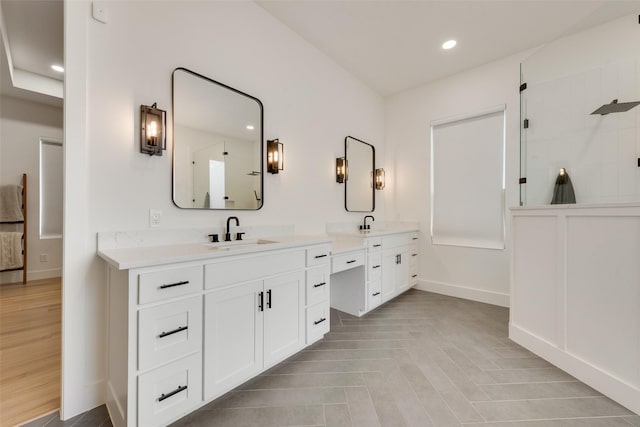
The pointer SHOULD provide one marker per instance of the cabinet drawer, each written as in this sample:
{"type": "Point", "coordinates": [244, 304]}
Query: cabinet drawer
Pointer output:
{"type": "Point", "coordinates": [374, 243]}
{"type": "Point", "coordinates": [347, 261]}
{"type": "Point", "coordinates": [168, 331]}
{"type": "Point", "coordinates": [374, 266]}
{"type": "Point", "coordinates": [374, 293]}
{"type": "Point", "coordinates": [396, 240]}
{"type": "Point", "coordinates": [170, 392]}
{"type": "Point", "coordinates": [318, 319]}
{"type": "Point", "coordinates": [317, 285]}
{"type": "Point", "coordinates": [318, 255]}
{"type": "Point", "coordinates": [168, 283]}
{"type": "Point", "coordinates": [230, 271]}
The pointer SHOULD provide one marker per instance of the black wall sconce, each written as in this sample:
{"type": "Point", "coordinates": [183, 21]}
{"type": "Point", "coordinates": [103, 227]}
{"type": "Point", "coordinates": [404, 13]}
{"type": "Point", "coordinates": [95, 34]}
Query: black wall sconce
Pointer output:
{"type": "Point", "coordinates": [341, 170]}
{"type": "Point", "coordinates": [152, 130]}
{"type": "Point", "coordinates": [275, 156]}
{"type": "Point", "coordinates": [379, 179]}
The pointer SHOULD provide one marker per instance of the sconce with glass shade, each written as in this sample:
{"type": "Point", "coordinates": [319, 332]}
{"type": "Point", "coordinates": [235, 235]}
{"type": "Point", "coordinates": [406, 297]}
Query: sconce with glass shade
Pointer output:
{"type": "Point", "coordinates": [341, 170]}
{"type": "Point", "coordinates": [275, 156]}
{"type": "Point", "coordinates": [379, 179]}
{"type": "Point", "coordinates": [152, 130]}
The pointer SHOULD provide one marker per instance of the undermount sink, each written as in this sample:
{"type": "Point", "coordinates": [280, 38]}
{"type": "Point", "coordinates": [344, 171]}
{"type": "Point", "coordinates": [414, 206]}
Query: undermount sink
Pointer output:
{"type": "Point", "coordinates": [238, 244]}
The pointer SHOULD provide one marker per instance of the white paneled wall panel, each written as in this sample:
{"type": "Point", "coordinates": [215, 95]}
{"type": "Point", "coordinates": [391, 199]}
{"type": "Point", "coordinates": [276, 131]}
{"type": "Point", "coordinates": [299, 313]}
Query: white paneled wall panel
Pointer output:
{"type": "Point", "coordinates": [535, 239]}
{"type": "Point", "coordinates": [603, 295]}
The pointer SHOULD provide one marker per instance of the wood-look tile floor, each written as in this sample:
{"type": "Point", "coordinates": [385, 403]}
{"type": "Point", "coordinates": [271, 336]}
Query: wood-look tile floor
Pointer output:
{"type": "Point", "coordinates": [420, 360]}
{"type": "Point", "coordinates": [30, 340]}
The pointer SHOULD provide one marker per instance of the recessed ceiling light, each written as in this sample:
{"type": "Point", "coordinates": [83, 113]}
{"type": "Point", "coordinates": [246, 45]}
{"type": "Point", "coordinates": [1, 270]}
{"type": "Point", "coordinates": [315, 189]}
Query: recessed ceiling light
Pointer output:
{"type": "Point", "coordinates": [449, 44]}
{"type": "Point", "coordinates": [250, 127]}
{"type": "Point", "coordinates": [57, 68]}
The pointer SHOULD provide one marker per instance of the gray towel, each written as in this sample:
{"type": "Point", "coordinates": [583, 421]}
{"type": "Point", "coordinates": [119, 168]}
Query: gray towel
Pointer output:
{"type": "Point", "coordinates": [563, 190]}
{"type": "Point", "coordinates": [11, 203]}
{"type": "Point", "coordinates": [10, 250]}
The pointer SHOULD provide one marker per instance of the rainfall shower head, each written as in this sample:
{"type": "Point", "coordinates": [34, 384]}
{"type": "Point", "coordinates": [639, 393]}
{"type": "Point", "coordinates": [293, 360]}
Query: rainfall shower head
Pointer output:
{"type": "Point", "coordinates": [615, 107]}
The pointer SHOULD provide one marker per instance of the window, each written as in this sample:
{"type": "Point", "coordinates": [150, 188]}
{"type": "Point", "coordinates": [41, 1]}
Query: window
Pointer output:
{"type": "Point", "coordinates": [468, 180]}
{"type": "Point", "coordinates": [51, 197]}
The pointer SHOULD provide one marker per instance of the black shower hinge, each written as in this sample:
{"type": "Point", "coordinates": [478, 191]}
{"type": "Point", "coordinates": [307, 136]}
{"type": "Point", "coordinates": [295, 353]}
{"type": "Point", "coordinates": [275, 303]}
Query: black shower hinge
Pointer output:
{"type": "Point", "coordinates": [526, 123]}
{"type": "Point", "coordinates": [523, 86]}
{"type": "Point", "coordinates": [522, 181]}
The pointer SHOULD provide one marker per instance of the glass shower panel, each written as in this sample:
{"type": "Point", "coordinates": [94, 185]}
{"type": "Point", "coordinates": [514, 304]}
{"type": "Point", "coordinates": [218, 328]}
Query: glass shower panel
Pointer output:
{"type": "Point", "coordinates": [566, 82]}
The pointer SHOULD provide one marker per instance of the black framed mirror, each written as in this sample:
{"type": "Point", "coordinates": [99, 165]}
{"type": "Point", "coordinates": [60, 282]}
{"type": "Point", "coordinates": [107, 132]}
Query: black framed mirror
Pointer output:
{"type": "Point", "coordinates": [217, 145]}
{"type": "Point", "coordinates": [359, 192]}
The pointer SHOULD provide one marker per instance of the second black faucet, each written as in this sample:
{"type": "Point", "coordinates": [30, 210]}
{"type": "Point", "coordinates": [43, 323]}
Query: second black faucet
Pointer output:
{"type": "Point", "coordinates": [227, 235]}
{"type": "Point", "coordinates": [364, 225]}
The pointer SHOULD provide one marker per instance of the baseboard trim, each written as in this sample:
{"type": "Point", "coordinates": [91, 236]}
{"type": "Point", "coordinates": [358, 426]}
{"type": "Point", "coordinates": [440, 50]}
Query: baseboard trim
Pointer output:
{"type": "Point", "coordinates": [625, 394]}
{"type": "Point", "coordinates": [16, 276]}
{"type": "Point", "coordinates": [473, 294]}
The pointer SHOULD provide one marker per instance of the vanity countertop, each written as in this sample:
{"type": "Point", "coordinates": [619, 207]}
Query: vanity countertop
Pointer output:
{"type": "Point", "coordinates": [147, 256]}
{"type": "Point", "coordinates": [374, 232]}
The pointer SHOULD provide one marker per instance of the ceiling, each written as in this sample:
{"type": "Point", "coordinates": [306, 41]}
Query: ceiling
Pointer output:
{"type": "Point", "coordinates": [391, 45]}
{"type": "Point", "coordinates": [32, 41]}
{"type": "Point", "coordinates": [394, 45]}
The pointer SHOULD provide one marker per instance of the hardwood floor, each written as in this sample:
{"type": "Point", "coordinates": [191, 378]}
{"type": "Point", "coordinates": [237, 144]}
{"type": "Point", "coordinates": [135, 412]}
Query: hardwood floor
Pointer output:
{"type": "Point", "coordinates": [30, 339]}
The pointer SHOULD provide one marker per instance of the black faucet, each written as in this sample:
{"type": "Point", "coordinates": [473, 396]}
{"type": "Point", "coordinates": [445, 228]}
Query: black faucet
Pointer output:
{"type": "Point", "coordinates": [227, 235]}
{"type": "Point", "coordinates": [364, 225]}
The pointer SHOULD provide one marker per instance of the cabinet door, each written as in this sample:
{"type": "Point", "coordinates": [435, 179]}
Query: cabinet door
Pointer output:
{"type": "Point", "coordinates": [402, 271]}
{"type": "Point", "coordinates": [389, 262]}
{"type": "Point", "coordinates": [284, 326]}
{"type": "Point", "coordinates": [232, 337]}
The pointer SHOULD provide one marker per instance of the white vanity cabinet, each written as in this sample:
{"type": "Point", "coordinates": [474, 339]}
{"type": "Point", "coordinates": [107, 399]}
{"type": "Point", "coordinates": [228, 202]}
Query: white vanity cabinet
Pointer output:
{"type": "Point", "coordinates": [390, 268]}
{"type": "Point", "coordinates": [250, 327]}
{"type": "Point", "coordinates": [182, 333]}
{"type": "Point", "coordinates": [155, 343]}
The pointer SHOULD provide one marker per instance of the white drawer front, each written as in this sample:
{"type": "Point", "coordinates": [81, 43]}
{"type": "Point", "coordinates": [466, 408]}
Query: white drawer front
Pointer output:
{"type": "Point", "coordinates": [170, 392]}
{"type": "Point", "coordinates": [168, 331]}
{"type": "Point", "coordinates": [169, 283]}
{"type": "Point", "coordinates": [393, 241]}
{"type": "Point", "coordinates": [374, 264]}
{"type": "Point", "coordinates": [347, 261]}
{"type": "Point", "coordinates": [318, 255]}
{"type": "Point", "coordinates": [374, 243]}
{"type": "Point", "coordinates": [318, 319]}
{"type": "Point", "coordinates": [228, 272]}
{"type": "Point", "coordinates": [374, 298]}
{"type": "Point", "coordinates": [317, 285]}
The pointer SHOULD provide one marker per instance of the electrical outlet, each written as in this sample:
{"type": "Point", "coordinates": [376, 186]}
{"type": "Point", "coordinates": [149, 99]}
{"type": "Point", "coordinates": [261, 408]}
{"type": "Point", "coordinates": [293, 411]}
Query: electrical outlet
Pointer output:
{"type": "Point", "coordinates": [44, 257]}
{"type": "Point", "coordinates": [155, 216]}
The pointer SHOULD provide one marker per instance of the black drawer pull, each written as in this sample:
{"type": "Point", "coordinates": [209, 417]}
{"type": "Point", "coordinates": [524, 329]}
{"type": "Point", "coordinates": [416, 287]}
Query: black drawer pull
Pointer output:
{"type": "Point", "coordinates": [320, 256]}
{"type": "Point", "coordinates": [320, 284]}
{"type": "Point", "coordinates": [269, 298]}
{"type": "Point", "coordinates": [414, 276]}
{"type": "Point", "coordinates": [352, 261]}
{"type": "Point", "coordinates": [261, 301]}
{"type": "Point", "coordinates": [414, 254]}
{"type": "Point", "coordinates": [414, 238]}
{"type": "Point", "coordinates": [175, 331]}
{"type": "Point", "coordinates": [376, 294]}
{"type": "Point", "coordinates": [377, 246]}
{"type": "Point", "coordinates": [376, 266]}
{"type": "Point", "coordinates": [174, 392]}
{"type": "Point", "coordinates": [317, 322]}
{"type": "Point", "coordinates": [171, 285]}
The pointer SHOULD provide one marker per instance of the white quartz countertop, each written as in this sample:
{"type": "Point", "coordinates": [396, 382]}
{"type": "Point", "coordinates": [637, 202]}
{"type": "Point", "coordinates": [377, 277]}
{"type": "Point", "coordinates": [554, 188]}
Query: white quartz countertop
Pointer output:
{"type": "Point", "coordinates": [374, 232]}
{"type": "Point", "coordinates": [147, 256]}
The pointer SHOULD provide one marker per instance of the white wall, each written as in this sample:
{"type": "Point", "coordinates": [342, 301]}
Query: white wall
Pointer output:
{"type": "Point", "coordinates": [480, 274]}
{"type": "Point", "coordinates": [310, 104]}
{"type": "Point", "coordinates": [22, 124]}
